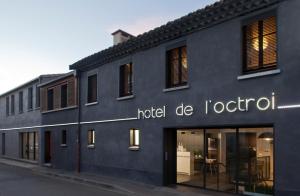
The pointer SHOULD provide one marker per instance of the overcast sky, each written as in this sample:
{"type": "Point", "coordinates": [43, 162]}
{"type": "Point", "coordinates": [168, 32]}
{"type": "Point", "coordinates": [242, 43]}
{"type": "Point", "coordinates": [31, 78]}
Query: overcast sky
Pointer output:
{"type": "Point", "coordinates": [42, 37]}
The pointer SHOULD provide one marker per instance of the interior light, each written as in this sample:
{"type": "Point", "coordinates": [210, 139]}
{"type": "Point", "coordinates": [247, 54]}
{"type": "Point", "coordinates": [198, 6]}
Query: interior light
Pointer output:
{"type": "Point", "coordinates": [137, 137]}
{"type": "Point", "coordinates": [268, 136]}
{"type": "Point", "coordinates": [255, 43]}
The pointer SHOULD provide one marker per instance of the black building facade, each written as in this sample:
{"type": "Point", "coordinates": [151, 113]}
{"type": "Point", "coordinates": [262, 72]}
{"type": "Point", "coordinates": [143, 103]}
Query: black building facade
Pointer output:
{"type": "Point", "coordinates": [209, 100]}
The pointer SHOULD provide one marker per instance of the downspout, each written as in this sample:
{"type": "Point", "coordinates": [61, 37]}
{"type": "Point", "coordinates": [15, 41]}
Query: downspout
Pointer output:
{"type": "Point", "coordinates": [78, 122]}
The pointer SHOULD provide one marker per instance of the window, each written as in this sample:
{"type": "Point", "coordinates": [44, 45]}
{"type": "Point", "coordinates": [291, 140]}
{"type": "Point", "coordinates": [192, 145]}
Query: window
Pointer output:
{"type": "Point", "coordinates": [21, 102]}
{"type": "Point", "coordinates": [91, 137]}
{"type": "Point", "coordinates": [7, 106]}
{"type": "Point", "coordinates": [177, 67]}
{"type": "Point", "coordinates": [12, 106]}
{"type": "Point", "coordinates": [260, 45]}
{"type": "Point", "coordinates": [30, 96]}
{"type": "Point", "coordinates": [92, 88]}
{"type": "Point", "coordinates": [134, 139]}
{"type": "Point", "coordinates": [50, 99]}
{"type": "Point", "coordinates": [64, 96]}
{"type": "Point", "coordinates": [126, 80]}
{"type": "Point", "coordinates": [37, 97]}
{"type": "Point", "coordinates": [64, 137]}
{"type": "Point", "coordinates": [29, 145]}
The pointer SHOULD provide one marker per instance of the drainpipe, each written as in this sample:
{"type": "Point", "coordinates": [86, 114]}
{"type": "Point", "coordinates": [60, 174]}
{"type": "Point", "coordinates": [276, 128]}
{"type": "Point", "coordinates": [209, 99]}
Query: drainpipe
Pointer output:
{"type": "Point", "coordinates": [77, 73]}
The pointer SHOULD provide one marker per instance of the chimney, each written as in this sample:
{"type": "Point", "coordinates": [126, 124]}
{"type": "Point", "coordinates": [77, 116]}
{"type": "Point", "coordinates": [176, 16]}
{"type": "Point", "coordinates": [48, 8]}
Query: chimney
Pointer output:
{"type": "Point", "coordinates": [121, 36]}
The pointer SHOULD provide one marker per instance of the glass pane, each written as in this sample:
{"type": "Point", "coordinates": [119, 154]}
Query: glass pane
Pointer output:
{"type": "Point", "coordinates": [221, 159]}
{"type": "Point", "coordinates": [31, 145]}
{"type": "Point", "coordinates": [269, 25]}
{"type": "Point", "coordinates": [190, 157]}
{"type": "Point", "coordinates": [256, 161]}
{"type": "Point", "coordinates": [36, 146]}
{"type": "Point", "coordinates": [173, 58]}
{"type": "Point", "coordinates": [24, 146]}
{"type": "Point", "coordinates": [184, 64]}
{"type": "Point", "coordinates": [270, 50]}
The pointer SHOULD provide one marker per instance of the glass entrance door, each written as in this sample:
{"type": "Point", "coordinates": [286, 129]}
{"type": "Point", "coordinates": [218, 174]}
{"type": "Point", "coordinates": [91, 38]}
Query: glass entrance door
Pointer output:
{"type": "Point", "coordinates": [220, 159]}
{"type": "Point", "coordinates": [190, 157]}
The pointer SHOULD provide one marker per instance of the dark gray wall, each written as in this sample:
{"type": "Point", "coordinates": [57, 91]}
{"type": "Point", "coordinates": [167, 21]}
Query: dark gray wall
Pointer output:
{"type": "Point", "coordinates": [215, 62]}
{"type": "Point", "coordinates": [62, 157]}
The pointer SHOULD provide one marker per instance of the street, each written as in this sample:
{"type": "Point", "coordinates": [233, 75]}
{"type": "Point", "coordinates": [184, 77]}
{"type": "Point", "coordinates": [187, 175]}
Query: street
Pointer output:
{"type": "Point", "coordinates": [15, 181]}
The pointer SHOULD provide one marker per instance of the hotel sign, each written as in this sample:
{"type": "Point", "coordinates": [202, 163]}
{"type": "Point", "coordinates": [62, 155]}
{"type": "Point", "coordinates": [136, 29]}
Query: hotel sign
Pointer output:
{"type": "Point", "coordinates": [211, 106]}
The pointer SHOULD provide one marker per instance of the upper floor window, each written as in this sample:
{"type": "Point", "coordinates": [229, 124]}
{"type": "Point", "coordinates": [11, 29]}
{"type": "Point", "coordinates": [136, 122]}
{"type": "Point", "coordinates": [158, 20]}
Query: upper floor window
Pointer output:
{"type": "Point", "coordinates": [37, 97]}
{"type": "Point", "coordinates": [92, 89]}
{"type": "Point", "coordinates": [30, 98]}
{"type": "Point", "coordinates": [260, 45]}
{"type": "Point", "coordinates": [64, 96]}
{"type": "Point", "coordinates": [126, 80]}
{"type": "Point", "coordinates": [7, 106]}
{"type": "Point", "coordinates": [177, 67]}
{"type": "Point", "coordinates": [50, 99]}
{"type": "Point", "coordinates": [21, 102]}
{"type": "Point", "coordinates": [12, 105]}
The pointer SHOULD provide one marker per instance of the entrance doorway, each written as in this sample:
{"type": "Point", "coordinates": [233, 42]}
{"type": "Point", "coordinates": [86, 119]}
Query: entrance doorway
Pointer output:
{"type": "Point", "coordinates": [233, 160]}
{"type": "Point", "coordinates": [47, 147]}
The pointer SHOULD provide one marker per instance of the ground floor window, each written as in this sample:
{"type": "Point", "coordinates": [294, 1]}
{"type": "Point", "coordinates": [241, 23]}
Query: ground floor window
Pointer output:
{"type": "Point", "coordinates": [29, 145]}
{"type": "Point", "coordinates": [235, 160]}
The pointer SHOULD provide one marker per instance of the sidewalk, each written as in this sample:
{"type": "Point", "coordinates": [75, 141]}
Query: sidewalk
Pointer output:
{"type": "Point", "coordinates": [117, 185]}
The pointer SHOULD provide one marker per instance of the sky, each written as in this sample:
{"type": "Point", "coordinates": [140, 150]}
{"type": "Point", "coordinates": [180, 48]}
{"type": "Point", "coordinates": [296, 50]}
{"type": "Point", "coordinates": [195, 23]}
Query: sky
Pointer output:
{"type": "Point", "coordinates": [45, 37]}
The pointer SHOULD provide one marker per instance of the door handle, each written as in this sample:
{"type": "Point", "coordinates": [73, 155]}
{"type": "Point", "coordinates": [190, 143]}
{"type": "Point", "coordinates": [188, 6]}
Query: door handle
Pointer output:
{"type": "Point", "coordinates": [166, 156]}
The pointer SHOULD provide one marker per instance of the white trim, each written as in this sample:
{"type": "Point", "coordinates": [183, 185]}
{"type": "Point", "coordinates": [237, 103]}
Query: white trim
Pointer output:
{"type": "Point", "coordinates": [125, 97]}
{"type": "Point", "coordinates": [176, 88]}
{"type": "Point", "coordinates": [92, 103]}
{"type": "Point", "coordinates": [67, 124]}
{"type": "Point", "coordinates": [40, 126]}
{"type": "Point", "coordinates": [112, 120]}
{"type": "Point", "coordinates": [259, 74]}
{"type": "Point", "coordinates": [288, 106]}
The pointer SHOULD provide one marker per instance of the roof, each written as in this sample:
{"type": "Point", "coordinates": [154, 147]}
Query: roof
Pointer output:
{"type": "Point", "coordinates": [210, 15]}
{"type": "Point", "coordinates": [37, 79]}
{"type": "Point", "coordinates": [63, 76]}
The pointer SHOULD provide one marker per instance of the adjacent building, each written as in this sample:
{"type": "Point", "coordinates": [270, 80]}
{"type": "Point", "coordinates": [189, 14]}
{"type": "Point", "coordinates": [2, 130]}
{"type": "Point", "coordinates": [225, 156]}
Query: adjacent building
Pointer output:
{"type": "Point", "coordinates": [20, 121]}
{"type": "Point", "coordinates": [209, 100]}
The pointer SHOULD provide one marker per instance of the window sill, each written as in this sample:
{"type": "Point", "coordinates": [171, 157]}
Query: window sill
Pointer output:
{"type": "Point", "coordinates": [259, 74]}
{"type": "Point", "coordinates": [60, 109]}
{"type": "Point", "coordinates": [90, 104]}
{"type": "Point", "coordinates": [125, 97]}
{"type": "Point", "coordinates": [176, 88]}
{"type": "Point", "coordinates": [63, 145]}
{"type": "Point", "coordinates": [134, 148]}
{"type": "Point", "coordinates": [91, 146]}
